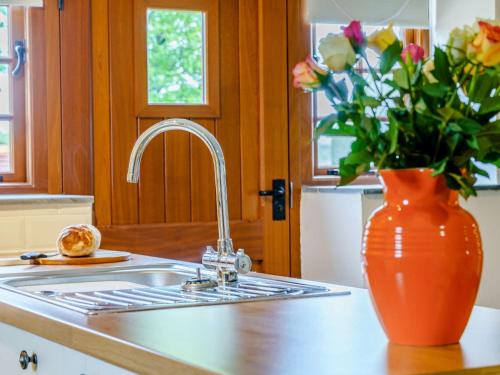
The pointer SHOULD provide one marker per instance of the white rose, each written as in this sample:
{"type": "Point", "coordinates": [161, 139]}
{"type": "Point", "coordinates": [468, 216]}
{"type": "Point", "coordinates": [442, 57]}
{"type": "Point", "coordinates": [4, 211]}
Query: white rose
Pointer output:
{"type": "Point", "coordinates": [337, 52]}
{"type": "Point", "coordinates": [458, 42]}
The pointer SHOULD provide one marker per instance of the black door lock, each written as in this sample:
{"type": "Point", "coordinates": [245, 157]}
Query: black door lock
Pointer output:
{"type": "Point", "coordinates": [279, 194]}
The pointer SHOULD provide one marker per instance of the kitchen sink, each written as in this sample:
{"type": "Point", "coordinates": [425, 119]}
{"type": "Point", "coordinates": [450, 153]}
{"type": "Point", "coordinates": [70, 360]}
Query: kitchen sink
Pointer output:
{"type": "Point", "coordinates": [105, 290]}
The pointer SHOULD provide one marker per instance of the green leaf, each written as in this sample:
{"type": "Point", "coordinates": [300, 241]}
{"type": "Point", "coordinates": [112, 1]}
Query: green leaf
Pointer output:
{"type": "Point", "coordinates": [452, 142]}
{"type": "Point", "coordinates": [391, 83]}
{"type": "Point", "coordinates": [436, 90]}
{"type": "Point", "coordinates": [325, 124]}
{"type": "Point", "coordinates": [401, 78]}
{"type": "Point", "coordinates": [358, 145]}
{"type": "Point", "coordinates": [359, 157]}
{"type": "Point", "coordinates": [483, 86]}
{"type": "Point", "coordinates": [368, 101]}
{"type": "Point", "coordinates": [442, 67]}
{"type": "Point", "coordinates": [479, 171]}
{"type": "Point", "coordinates": [454, 127]}
{"type": "Point", "coordinates": [490, 106]}
{"type": "Point", "coordinates": [439, 167]}
{"type": "Point", "coordinates": [341, 88]}
{"type": "Point", "coordinates": [347, 172]}
{"type": "Point", "coordinates": [393, 133]}
{"type": "Point", "coordinates": [466, 187]}
{"type": "Point", "coordinates": [472, 143]}
{"type": "Point", "coordinates": [390, 56]}
{"type": "Point", "coordinates": [367, 123]}
{"type": "Point", "coordinates": [469, 126]}
{"type": "Point", "coordinates": [358, 79]}
{"type": "Point", "coordinates": [448, 113]}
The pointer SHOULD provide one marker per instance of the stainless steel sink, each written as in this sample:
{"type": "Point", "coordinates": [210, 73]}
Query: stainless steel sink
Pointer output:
{"type": "Point", "coordinates": [151, 287]}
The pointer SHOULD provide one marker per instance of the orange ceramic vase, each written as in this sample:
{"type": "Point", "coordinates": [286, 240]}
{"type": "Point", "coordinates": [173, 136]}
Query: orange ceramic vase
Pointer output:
{"type": "Point", "coordinates": [422, 258]}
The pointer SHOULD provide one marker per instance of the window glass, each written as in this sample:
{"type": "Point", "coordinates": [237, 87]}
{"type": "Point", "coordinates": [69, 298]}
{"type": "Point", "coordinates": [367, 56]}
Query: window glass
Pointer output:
{"type": "Point", "coordinates": [4, 90]}
{"type": "Point", "coordinates": [5, 93]}
{"type": "Point", "coordinates": [175, 57]}
{"type": "Point", "coordinates": [4, 31]}
{"type": "Point", "coordinates": [4, 146]}
{"type": "Point", "coordinates": [330, 149]}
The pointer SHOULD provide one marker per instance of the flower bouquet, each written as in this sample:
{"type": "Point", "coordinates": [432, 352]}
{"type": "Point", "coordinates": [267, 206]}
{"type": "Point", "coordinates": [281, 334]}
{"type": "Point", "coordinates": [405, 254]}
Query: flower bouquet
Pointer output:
{"type": "Point", "coordinates": [411, 111]}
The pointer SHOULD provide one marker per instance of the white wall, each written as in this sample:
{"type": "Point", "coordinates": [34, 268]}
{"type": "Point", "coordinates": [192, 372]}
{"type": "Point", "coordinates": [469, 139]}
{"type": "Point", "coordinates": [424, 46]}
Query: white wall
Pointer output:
{"type": "Point", "coordinates": [330, 231]}
{"type": "Point", "coordinates": [448, 14]}
{"type": "Point", "coordinates": [332, 224]}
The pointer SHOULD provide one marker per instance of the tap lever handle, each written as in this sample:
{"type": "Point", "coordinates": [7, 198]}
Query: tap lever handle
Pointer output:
{"type": "Point", "coordinates": [243, 263]}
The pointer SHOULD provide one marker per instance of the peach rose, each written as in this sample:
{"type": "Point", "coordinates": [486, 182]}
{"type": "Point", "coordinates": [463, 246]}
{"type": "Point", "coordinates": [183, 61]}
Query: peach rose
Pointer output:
{"type": "Point", "coordinates": [308, 74]}
{"type": "Point", "coordinates": [486, 45]}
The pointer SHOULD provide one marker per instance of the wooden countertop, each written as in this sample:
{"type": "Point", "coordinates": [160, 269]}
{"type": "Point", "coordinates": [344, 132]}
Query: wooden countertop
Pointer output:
{"type": "Point", "coordinates": [325, 335]}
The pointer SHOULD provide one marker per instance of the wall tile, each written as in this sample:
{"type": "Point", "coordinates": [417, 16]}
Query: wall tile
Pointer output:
{"type": "Point", "coordinates": [12, 233]}
{"type": "Point", "coordinates": [42, 231]}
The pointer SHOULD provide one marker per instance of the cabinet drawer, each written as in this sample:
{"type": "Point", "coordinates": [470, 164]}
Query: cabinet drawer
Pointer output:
{"type": "Point", "coordinates": [53, 358]}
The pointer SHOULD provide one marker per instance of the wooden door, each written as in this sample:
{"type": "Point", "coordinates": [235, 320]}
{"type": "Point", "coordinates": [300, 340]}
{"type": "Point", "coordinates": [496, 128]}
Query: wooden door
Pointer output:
{"type": "Point", "coordinates": [171, 213]}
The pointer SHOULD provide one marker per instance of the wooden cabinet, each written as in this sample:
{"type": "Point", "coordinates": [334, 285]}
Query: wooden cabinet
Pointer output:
{"type": "Point", "coordinates": [53, 359]}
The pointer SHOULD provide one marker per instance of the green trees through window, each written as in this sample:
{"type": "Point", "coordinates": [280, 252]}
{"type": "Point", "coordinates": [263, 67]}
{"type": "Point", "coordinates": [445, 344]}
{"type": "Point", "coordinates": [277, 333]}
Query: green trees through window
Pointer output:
{"type": "Point", "coordinates": [175, 57]}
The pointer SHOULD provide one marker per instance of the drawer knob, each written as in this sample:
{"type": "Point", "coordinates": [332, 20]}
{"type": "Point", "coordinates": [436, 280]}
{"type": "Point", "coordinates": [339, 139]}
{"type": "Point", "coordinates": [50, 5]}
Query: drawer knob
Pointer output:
{"type": "Point", "coordinates": [25, 360]}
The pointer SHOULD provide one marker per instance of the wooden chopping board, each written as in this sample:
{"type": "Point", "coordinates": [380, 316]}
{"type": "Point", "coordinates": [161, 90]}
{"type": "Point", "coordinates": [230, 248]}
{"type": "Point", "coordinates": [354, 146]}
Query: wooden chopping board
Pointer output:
{"type": "Point", "coordinates": [100, 256]}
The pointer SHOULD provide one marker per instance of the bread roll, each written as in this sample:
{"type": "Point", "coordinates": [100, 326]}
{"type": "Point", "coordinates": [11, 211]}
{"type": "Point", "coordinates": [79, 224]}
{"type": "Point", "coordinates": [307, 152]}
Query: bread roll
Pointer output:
{"type": "Point", "coordinates": [78, 240]}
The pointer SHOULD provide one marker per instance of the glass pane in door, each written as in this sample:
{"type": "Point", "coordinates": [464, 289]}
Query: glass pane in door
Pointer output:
{"type": "Point", "coordinates": [175, 56]}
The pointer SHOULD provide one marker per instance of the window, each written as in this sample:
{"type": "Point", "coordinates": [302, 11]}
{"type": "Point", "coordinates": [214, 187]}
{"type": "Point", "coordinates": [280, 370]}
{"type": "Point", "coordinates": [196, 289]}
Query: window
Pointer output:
{"type": "Point", "coordinates": [177, 70]}
{"type": "Point", "coordinates": [176, 58]}
{"type": "Point", "coordinates": [329, 150]}
{"type": "Point", "coordinates": [12, 95]}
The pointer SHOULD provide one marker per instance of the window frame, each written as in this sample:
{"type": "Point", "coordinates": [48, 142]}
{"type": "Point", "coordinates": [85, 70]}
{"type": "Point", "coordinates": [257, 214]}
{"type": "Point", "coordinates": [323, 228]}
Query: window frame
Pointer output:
{"type": "Point", "coordinates": [210, 109]}
{"type": "Point", "coordinates": [41, 39]}
{"type": "Point", "coordinates": [17, 116]}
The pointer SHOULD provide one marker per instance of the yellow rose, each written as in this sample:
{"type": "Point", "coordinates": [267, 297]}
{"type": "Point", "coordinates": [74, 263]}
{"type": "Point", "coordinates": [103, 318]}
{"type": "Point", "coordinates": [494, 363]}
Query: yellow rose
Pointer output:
{"type": "Point", "coordinates": [381, 39]}
{"type": "Point", "coordinates": [486, 45]}
{"type": "Point", "coordinates": [427, 69]}
{"type": "Point", "coordinates": [337, 52]}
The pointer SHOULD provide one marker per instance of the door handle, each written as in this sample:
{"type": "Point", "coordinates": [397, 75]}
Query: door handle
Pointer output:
{"type": "Point", "coordinates": [278, 193]}
{"type": "Point", "coordinates": [20, 50]}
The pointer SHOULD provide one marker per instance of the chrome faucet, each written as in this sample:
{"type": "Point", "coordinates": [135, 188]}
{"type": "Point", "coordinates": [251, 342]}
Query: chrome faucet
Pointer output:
{"type": "Point", "coordinates": [225, 261]}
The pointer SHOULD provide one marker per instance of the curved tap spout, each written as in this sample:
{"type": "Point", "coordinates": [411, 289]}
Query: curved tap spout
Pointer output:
{"type": "Point", "coordinates": [224, 244]}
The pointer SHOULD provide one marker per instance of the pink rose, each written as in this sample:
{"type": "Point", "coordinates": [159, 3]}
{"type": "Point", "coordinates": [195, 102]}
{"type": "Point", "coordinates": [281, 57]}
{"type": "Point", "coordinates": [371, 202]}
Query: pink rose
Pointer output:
{"type": "Point", "coordinates": [354, 33]}
{"type": "Point", "coordinates": [414, 51]}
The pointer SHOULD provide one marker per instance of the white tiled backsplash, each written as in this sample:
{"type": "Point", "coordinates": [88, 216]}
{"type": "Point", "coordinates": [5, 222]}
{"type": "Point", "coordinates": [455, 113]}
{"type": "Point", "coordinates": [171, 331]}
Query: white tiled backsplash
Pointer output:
{"type": "Point", "coordinates": [34, 225]}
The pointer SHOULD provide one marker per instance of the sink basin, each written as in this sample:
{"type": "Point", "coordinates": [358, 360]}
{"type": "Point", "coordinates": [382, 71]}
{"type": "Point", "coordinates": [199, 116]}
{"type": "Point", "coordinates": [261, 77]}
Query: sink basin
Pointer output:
{"type": "Point", "coordinates": [137, 288]}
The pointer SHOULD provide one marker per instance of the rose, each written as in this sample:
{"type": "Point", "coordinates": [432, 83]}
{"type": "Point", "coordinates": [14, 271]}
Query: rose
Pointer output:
{"type": "Point", "coordinates": [458, 43]}
{"type": "Point", "coordinates": [427, 70]}
{"type": "Point", "coordinates": [414, 52]}
{"type": "Point", "coordinates": [337, 52]}
{"type": "Point", "coordinates": [308, 75]}
{"type": "Point", "coordinates": [382, 39]}
{"type": "Point", "coordinates": [487, 44]}
{"type": "Point", "coordinates": [355, 35]}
